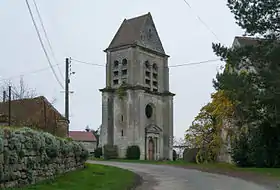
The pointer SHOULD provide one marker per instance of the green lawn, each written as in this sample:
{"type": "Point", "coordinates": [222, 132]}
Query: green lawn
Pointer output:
{"type": "Point", "coordinates": [97, 177]}
{"type": "Point", "coordinates": [222, 167]}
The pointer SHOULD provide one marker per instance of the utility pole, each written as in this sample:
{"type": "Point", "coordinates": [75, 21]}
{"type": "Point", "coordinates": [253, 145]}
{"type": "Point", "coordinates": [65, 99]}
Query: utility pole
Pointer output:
{"type": "Point", "coordinates": [4, 96]}
{"type": "Point", "coordinates": [10, 97]}
{"type": "Point", "coordinates": [67, 81]}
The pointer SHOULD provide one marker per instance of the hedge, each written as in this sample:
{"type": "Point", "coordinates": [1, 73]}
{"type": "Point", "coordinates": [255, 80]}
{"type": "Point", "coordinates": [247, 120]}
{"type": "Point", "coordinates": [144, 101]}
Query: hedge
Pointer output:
{"type": "Point", "coordinates": [133, 152]}
{"type": "Point", "coordinates": [110, 152]}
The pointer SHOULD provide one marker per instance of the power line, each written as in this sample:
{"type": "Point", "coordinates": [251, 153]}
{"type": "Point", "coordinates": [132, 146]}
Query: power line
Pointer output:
{"type": "Point", "coordinates": [204, 23]}
{"type": "Point", "coordinates": [195, 63]}
{"type": "Point", "coordinates": [88, 63]}
{"type": "Point", "coordinates": [180, 65]}
{"type": "Point", "coordinates": [46, 35]}
{"type": "Point", "coordinates": [41, 42]}
{"type": "Point", "coordinates": [27, 73]}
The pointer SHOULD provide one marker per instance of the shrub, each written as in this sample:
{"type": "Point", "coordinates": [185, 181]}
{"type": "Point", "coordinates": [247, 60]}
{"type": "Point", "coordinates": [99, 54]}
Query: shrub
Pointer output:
{"type": "Point", "coordinates": [133, 152]}
{"type": "Point", "coordinates": [242, 153]}
{"type": "Point", "coordinates": [110, 152]}
{"type": "Point", "coordinates": [189, 154]}
{"type": "Point", "coordinates": [174, 155]}
{"type": "Point", "coordinates": [98, 152]}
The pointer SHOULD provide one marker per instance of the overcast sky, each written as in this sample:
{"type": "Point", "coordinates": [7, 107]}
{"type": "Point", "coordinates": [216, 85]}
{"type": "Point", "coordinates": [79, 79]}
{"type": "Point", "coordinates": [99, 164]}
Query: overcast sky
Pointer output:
{"type": "Point", "coordinates": [83, 29]}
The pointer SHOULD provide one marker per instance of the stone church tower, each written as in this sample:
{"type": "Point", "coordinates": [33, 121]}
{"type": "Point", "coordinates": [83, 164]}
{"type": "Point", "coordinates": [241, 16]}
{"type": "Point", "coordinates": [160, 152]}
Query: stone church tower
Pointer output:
{"type": "Point", "coordinates": [137, 107]}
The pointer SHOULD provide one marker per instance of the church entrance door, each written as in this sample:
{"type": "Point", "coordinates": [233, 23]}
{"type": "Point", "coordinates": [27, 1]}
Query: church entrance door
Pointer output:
{"type": "Point", "coordinates": [151, 149]}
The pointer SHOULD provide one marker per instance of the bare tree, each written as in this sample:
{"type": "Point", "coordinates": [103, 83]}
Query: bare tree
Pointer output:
{"type": "Point", "coordinates": [53, 100]}
{"type": "Point", "coordinates": [19, 91]}
{"type": "Point", "coordinates": [180, 145]}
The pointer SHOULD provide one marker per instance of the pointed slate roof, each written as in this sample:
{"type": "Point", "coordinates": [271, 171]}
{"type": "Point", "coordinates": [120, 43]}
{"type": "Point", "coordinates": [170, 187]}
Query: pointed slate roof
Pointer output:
{"type": "Point", "coordinates": [139, 31]}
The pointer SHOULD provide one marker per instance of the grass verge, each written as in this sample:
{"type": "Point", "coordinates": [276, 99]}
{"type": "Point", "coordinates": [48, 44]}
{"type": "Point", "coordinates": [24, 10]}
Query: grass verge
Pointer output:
{"type": "Point", "coordinates": [222, 168]}
{"type": "Point", "coordinates": [97, 177]}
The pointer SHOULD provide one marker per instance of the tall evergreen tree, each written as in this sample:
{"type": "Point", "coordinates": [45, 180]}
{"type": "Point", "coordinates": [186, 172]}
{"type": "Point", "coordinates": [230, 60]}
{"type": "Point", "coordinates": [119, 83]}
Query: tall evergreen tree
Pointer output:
{"type": "Point", "coordinates": [256, 93]}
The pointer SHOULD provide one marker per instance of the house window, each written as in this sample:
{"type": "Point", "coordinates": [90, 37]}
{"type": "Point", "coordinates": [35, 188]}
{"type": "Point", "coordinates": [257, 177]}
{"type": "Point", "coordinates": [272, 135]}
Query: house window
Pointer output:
{"type": "Point", "coordinates": [155, 90]}
{"type": "Point", "coordinates": [124, 72]}
{"type": "Point", "coordinates": [116, 81]}
{"type": "Point", "coordinates": [116, 64]}
{"type": "Point", "coordinates": [124, 62]}
{"type": "Point", "coordinates": [122, 132]}
{"type": "Point", "coordinates": [155, 83]}
{"type": "Point", "coordinates": [122, 117]}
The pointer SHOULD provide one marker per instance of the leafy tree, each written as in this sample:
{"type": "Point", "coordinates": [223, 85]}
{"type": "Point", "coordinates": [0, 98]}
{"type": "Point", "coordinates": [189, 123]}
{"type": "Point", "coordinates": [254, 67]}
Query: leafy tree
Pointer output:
{"type": "Point", "coordinates": [255, 91]}
{"type": "Point", "coordinates": [205, 131]}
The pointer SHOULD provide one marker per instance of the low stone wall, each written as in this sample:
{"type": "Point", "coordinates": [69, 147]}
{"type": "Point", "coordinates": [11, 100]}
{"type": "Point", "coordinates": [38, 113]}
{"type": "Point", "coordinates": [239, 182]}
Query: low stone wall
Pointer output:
{"type": "Point", "coordinates": [28, 156]}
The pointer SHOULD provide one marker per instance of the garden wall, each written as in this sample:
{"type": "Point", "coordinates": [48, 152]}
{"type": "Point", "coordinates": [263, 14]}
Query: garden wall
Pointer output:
{"type": "Point", "coordinates": [28, 156]}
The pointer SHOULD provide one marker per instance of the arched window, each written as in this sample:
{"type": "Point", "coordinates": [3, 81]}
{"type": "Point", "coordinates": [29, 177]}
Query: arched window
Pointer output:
{"type": "Point", "coordinates": [147, 74]}
{"type": "Point", "coordinates": [147, 64]}
{"type": "Point", "coordinates": [124, 69]}
{"type": "Point", "coordinates": [116, 64]}
{"type": "Point", "coordinates": [155, 68]}
{"type": "Point", "coordinates": [124, 62]}
{"type": "Point", "coordinates": [155, 77]}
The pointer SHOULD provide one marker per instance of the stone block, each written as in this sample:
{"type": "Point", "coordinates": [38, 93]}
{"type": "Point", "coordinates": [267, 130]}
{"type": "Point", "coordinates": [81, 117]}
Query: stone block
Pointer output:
{"type": "Point", "coordinates": [31, 164]}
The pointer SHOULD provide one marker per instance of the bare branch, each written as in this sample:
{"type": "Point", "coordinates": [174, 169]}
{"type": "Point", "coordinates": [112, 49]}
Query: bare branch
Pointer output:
{"type": "Point", "coordinates": [20, 91]}
{"type": "Point", "coordinates": [53, 101]}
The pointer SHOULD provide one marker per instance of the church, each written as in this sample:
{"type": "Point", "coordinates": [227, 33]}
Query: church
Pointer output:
{"type": "Point", "coordinates": [137, 106]}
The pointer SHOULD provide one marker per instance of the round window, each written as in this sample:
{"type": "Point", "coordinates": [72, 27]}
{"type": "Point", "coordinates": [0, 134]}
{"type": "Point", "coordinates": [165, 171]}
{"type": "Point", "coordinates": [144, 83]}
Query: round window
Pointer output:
{"type": "Point", "coordinates": [149, 111]}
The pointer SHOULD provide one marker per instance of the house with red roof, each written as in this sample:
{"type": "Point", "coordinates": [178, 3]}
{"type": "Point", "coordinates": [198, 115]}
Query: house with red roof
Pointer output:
{"type": "Point", "coordinates": [86, 138]}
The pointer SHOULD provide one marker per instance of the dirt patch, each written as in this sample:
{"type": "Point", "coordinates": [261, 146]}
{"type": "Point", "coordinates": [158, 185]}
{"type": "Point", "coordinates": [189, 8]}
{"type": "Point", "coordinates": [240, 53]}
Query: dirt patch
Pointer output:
{"type": "Point", "coordinates": [268, 182]}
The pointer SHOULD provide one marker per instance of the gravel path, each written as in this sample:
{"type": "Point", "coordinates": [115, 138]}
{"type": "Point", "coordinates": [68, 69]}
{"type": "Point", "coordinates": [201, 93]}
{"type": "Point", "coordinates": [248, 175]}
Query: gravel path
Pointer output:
{"type": "Point", "coordinates": [162, 177]}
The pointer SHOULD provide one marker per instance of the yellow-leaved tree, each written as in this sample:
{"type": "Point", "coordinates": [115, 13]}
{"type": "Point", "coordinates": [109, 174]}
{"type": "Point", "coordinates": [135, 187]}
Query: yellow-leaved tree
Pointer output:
{"type": "Point", "coordinates": [205, 133]}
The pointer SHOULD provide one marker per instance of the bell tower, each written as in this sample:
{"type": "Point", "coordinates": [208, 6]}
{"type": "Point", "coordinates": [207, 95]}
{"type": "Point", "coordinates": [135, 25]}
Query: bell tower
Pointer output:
{"type": "Point", "coordinates": [137, 106]}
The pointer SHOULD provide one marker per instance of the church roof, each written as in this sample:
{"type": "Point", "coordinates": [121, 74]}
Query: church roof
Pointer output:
{"type": "Point", "coordinates": [139, 31]}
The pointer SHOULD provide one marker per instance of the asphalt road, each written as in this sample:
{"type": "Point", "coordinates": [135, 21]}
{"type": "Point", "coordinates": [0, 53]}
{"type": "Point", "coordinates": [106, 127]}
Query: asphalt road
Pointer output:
{"type": "Point", "coordinates": [160, 177]}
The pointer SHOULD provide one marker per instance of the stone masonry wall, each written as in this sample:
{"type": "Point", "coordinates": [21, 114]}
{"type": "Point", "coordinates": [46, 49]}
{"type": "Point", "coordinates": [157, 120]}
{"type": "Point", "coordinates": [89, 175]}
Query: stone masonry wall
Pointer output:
{"type": "Point", "coordinates": [28, 156]}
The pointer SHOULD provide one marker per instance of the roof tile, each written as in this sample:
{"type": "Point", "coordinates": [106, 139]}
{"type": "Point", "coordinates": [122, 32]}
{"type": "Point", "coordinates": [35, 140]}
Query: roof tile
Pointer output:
{"type": "Point", "coordinates": [82, 136]}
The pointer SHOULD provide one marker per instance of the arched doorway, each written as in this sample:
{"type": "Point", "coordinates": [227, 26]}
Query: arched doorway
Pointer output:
{"type": "Point", "coordinates": [151, 149]}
